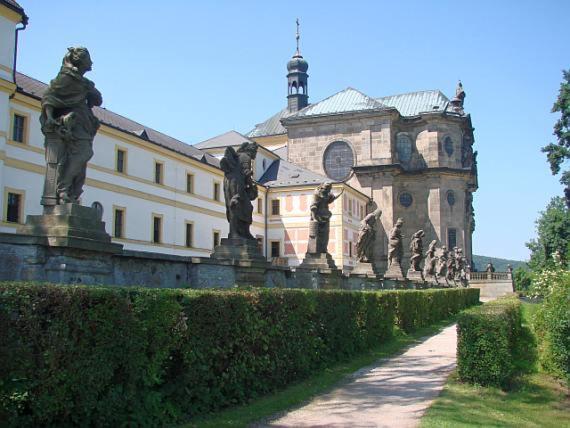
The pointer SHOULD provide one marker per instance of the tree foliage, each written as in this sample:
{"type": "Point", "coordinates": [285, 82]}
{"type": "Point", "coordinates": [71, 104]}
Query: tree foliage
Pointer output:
{"type": "Point", "coordinates": [553, 240]}
{"type": "Point", "coordinates": [557, 154]}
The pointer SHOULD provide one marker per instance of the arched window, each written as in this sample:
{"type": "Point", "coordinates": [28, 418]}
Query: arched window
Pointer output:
{"type": "Point", "coordinates": [448, 146]}
{"type": "Point", "coordinates": [405, 199]}
{"type": "Point", "coordinates": [404, 148]}
{"type": "Point", "coordinates": [450, 198]}
{"type": "Point", "coordinates": [338, 160]}
{"type": "Point", "coordinates": [294, 87]}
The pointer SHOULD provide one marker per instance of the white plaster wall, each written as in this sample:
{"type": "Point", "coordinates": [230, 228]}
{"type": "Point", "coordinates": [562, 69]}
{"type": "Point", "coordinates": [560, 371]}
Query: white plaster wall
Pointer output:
{"type": "Point", "coordinates": [7, 37]}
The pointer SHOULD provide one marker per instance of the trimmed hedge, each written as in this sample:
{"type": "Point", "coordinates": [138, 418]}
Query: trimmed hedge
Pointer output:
{"type": "Point", "coordinates": [552, 327]}
{"type": "Point", "coordinates": [487, 339]}
{"type": "Point", "coordinates": [95, 356]}
{"type": "Point", "coordinates": [420, 308]}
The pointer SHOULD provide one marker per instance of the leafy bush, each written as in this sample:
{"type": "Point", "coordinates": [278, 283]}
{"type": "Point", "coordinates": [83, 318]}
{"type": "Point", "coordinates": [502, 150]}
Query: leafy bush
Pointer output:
{"type": "Point", "coordinates": [522, 278]}
{"type": "Point", "coordinates": [419, 308]}
{"type": "Point", "coordinates": [487, 341]}
{"type": "Point", "coordinates": [95, 356]}
{"type": "Point", "coordinates": [552, 322]}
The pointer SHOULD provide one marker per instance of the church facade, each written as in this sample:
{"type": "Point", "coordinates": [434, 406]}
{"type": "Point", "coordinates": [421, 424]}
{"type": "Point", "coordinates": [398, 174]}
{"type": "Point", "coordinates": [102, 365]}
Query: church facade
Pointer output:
{"type": "Point", "coordinates": [411, 154]}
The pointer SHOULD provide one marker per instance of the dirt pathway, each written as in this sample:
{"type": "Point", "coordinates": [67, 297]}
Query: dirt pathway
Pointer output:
{"type": "Point", "coordinates": [394, 393]}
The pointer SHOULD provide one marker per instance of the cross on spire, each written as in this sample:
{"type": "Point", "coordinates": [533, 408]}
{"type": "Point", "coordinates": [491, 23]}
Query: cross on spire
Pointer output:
{"type": "Point", "coordinates": [298, 37]}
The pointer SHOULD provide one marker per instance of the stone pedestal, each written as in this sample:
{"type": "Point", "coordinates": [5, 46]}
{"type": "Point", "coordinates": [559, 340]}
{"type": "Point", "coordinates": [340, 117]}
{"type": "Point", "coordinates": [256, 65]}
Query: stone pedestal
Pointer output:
{"type": "Point", "coordinates": [318, 261]}
{"type": "Point", "coordinates": [244, 254]}
{"type": "Point", "coordinates": [70, 226]}
{"type": "Point", "coordinates": [415, 276]}
{"type": "Point", "coordinates": [395, 272]}
{"type": "Point", "coordinates": [365, 269]}
{"type": "Point", "coordinates": [431, 280]}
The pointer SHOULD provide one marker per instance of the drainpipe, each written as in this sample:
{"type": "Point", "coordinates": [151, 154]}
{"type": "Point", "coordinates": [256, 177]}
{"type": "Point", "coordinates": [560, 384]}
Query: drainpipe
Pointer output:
{"type": "Point", "coordinates": [265, 222]}
{"type": "Point", "coordinates": [25, 24]}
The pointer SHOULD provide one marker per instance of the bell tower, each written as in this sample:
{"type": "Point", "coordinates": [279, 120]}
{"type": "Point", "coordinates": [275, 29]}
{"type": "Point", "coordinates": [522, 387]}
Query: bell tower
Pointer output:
{"type": "Point", "coordinates": [297, 89]}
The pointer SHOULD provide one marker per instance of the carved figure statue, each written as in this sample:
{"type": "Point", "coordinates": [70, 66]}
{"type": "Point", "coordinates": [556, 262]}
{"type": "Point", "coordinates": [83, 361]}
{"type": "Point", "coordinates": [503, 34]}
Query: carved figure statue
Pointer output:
{"type": "Point", "coordinates": [442, 262]}
{"type": "Point", "coordinates": [367, 236]}
{"type": "Point", "coordinates": [321, 215]}
{"type": "Point", "coordinates": [239, 188]}
{"type": "Point", "coordinates": [490, 268]}
{"type": "Point", "coordinates": [417, 249]}
{"type": "Point", "coordinates": [430, 260]}
{"type": "Point", "coordinates": [395, 246]}
{"type": "Point", "coordinates": [69, 126]}
{"type": "Point", "coordinates": [451, 264]}
{"type": "Point", "coordinates": [460, 263]}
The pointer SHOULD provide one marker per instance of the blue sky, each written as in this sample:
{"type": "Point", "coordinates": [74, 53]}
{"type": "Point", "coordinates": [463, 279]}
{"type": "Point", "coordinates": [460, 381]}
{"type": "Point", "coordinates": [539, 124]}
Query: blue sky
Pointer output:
{"type": "Point", "coordinates": [194, 70]}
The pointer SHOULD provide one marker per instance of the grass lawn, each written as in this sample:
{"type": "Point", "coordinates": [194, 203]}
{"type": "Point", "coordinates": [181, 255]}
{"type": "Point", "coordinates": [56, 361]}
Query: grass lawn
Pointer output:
{"type": "Point", "coordinates": [320, 382]}
{"type": "Point", "coordinates": [534, 400]}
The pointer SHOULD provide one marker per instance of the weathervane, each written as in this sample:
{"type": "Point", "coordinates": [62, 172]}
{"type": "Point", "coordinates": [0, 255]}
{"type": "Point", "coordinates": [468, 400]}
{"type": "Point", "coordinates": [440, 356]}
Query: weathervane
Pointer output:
{"type": "Point", "coordinates": [298, 37]}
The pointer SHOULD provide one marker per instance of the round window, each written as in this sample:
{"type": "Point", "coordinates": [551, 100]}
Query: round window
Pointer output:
{"type": "Point", "coordinates": [338, 160]}
{"type": "Point", "coordinates": [451, 198]}
{"type": "Point", "coordinates": [405, 199]}
{"type": "Point", "coordinates": [448, 146]}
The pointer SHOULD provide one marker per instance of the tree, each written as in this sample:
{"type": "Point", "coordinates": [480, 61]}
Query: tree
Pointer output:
{"type": "Point", "coordinates": [557, 154]}
{"type": "Point", "coordinates": [553, 236]}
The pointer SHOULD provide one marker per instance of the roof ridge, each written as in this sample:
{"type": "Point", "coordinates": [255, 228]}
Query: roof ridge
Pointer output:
{"type": "Point", "coordinates": [413, 92]}
{"type": "Point", "coordinates": [142, 126]}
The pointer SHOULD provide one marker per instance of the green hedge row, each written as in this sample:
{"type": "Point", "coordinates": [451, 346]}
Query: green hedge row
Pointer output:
{"type": "Point", "coordinates": [552, 327]}
{"type": "Point", "coordinates": [487, 340]}
{"type": "Point", "coordinates": [420, 308]}
{"type": "Point", "coordinates": [95, 356]}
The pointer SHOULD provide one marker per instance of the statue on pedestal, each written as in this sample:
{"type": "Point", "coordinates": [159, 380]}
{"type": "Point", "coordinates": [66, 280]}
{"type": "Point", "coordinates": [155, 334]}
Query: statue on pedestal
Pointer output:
{"type": "Point", "coordinates": [69, 126]}
{"type": "Point", "coordinates": [395, 246]}
{"type": "Point", "coordinates": [320, 218]}
{"type": "Point", "coordinates": [430, 261]}
{"type": "Point", "coordinates": [451, 264]}
{"type": "Point", "coordinates": [395, 252]}
{"type": "Point", "coordinates": [239, 188]}
{"type": "Point", "coordinates": [317, 256]}
{"type": "Point", "coordinates": [442, 262]}
{"type": "Point", "coordinates": [367, 236]}
{"type": "Point", "coordinates": [417, 249]}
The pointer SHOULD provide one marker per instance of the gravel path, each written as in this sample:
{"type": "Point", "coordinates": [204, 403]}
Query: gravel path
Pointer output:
{"type": "Point", "coordinates": [394, 393]}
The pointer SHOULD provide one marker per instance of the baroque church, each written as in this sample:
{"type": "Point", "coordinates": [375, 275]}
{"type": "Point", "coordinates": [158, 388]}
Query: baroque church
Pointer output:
{"type": "Point", "coordinates": [410, 155]}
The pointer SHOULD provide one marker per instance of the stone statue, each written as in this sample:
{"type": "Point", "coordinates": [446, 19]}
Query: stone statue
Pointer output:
{"type": "Point", "coordinates": [69, 126]}
{"type": "Point", "coordinates": [451, 264]}
{"type": "Point", "coordinates": [460, 263]}
{"type": "Point", "coordinates": [430, 260]}
{"type": "Point", "coordinates": [442, 262]}
{"type": "Point", "coordinates": [490, 268]}
{"type": "Point", "coordinates": [395, 246]}
{"type": "Point", "coordinates": [367, 236]}
{"type": "Point", "coordinates": [320, 217]}
{"type": "Point", "coordinates": [417, 250]}
{"type": "Point", "coordinates": [239, 188]}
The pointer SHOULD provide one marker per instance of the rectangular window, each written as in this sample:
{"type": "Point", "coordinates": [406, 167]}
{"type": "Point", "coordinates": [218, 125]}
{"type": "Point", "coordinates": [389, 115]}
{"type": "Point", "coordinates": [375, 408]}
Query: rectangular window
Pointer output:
{"type": "Point", "coordinates": [158, 173]}
{"type": "Point", "coordinates": [118, 228]}
{"type": "Point", "coordinates": [216, 238]}
{"type": "Point", "coordinates": [189, 234]}
{"type": "Point", "coordinates": [275, 207]}
{"type": "Point", "coordinates": [350, 249]}
{"type": "Point", "coordinates": [216, 191]}
{"type": "Point", "coordinates": [275, 249]}
{"type": "Point", "coordinates": [14, 208]}
{"type": "Point", "coordinates": [19, 128]}
{"type": "Point", "coordinates": [451, 238]}
{"type": "Point", "coordinates": [156, 229]}
{"type": "Point", "coordinates": [350, 207]}
{"type": "Point", "coordinates": [121, 158]}
{"type": "Point", "coordinates": [259, 206]}
{"type": "Point", "coordinates": [189, 183]}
